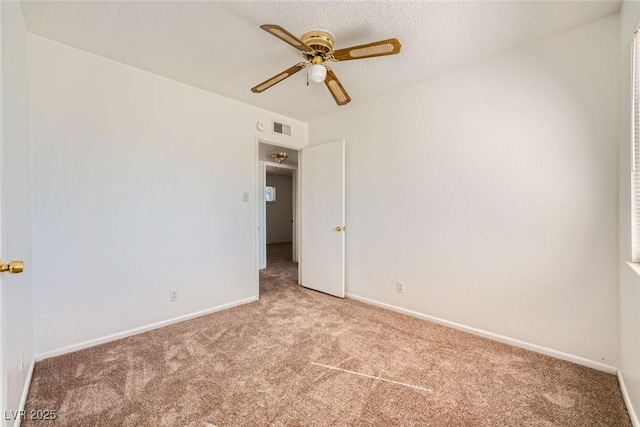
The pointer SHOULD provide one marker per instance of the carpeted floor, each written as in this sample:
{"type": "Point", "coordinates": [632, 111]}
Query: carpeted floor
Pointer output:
{"type": "Point", "coordinates": [298, 357]}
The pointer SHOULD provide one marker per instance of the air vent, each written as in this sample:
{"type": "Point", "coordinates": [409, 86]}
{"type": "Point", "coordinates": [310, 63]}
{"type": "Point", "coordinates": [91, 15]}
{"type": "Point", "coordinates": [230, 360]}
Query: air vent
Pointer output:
{"type": "Point", "coordinates": [281, 128]}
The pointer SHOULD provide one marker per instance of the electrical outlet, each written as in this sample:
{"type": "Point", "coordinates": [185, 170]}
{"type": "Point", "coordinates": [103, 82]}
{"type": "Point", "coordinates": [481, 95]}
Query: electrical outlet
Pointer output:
{"type": "Point", "coordinates": [21, 359]}
{"type": "Point", "coordinates": [173, 295]}
{"type": "Point", "coordinates": [400, 287]}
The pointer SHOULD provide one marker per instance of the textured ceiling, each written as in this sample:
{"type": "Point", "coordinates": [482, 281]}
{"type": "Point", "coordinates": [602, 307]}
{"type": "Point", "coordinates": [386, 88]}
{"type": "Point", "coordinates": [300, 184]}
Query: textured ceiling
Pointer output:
{"type": "Point", "coordinates": [218, 46]}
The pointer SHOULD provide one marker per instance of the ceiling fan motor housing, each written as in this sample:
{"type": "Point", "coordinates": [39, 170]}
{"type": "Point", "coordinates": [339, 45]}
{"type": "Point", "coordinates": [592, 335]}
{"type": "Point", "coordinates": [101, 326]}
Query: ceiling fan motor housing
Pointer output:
{"type": "Point", "coordinates": [320, 41]}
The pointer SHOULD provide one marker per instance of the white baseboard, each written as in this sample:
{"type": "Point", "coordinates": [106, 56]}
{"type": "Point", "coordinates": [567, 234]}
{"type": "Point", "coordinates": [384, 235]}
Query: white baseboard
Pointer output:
{"type": "Point", "coordinates": [507, 340]}
{"type": "Point", "coordinates": [134, 331]}
{"type": "Point", "coordinates": [25, 391]}
{"type": "Point", "coordinates": [627, 401]}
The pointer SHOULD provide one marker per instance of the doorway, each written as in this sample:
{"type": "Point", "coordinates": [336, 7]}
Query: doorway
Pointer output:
{"type": "Point", "coordinates": [277, 201]}
{"type": "Point", "coordinates": [279, 213]}
{"type": "Point", "coordinates": [318, 226]}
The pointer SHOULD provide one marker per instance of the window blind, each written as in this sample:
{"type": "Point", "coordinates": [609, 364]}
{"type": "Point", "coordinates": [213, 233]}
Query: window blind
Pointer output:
{"type": "Point", "coordinates": [635, 155]}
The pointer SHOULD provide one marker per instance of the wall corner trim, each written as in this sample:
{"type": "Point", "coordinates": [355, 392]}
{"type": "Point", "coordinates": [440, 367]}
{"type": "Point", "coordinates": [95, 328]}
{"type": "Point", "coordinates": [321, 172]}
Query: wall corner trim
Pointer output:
{"type": "Point", "coordinates": [112, 337]}
{"type": "Point", "coordinates": [25, 391]}
{"type": "Point", "coordinates": [501, 338]}
{"type": "Point", "coordinates": [627, 401]}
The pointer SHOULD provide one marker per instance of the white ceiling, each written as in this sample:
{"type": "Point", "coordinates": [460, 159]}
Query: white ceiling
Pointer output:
{"type": "Point", "coordinates": [218, 46]}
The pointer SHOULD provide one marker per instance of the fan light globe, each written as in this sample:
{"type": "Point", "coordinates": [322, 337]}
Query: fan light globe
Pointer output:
{"type": "Point", "coordinates": [317, 73]}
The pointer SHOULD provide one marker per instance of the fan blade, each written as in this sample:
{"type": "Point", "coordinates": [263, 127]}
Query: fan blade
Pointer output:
{"type": "Point", "coordinates": [286, 36]}
{"type": "Point", "coordinates": [380, 48]}
{"type": "Point", "coordinates": [335, 87]}
{"type": "Point", "coordinates": [278, 78]}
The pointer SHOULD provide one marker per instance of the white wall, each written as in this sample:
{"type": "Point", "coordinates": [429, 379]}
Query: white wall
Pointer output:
{"type": "Point", "coordinates": [629, 281]}
{"type": "Point", "coordinates": [491, 192]}
{"type": "Point", "coordinates": [280, 213]}
{"type": "Point", "coordinates": [138, 184]}
{"type": "Point", "coordinates": [17, 297]}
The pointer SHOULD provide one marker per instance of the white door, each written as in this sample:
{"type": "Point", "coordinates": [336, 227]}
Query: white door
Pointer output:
{"type": "Point", "coordinates": [323, 216]}
{"type": "Point", "coordinates": [16, 337]}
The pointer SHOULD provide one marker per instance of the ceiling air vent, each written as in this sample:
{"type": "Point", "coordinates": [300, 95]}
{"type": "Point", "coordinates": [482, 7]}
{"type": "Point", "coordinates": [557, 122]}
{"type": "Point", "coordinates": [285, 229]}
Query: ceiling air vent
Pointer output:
{"type": "Point", "coordinates": [281, 129]}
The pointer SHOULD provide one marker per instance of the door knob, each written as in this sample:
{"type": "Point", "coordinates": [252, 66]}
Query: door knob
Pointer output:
{"type": "Point", "coordinates": [339, 228]}
{"type": "Point", "coordinates": [13, 267]}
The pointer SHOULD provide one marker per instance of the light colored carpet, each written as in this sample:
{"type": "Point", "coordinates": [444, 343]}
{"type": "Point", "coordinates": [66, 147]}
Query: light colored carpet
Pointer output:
{"type": "Point", "coordinates": [299, 357]}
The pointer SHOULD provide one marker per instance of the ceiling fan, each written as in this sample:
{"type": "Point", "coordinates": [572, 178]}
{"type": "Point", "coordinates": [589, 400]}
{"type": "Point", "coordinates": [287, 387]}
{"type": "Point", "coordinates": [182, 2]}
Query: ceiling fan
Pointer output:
{"type": "Point", "coordinates": [317, 48]}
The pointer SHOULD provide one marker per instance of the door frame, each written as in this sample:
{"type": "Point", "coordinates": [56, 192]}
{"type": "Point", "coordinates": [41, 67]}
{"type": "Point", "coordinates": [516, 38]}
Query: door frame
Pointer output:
{"type": "Point", "coordinates": [261, 206]}
{"type": "Point", "coordinates": [294, 200]}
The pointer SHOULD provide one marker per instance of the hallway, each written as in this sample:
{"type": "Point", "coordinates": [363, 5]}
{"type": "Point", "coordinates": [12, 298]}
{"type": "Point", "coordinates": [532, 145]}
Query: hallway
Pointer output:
{"type": "Point", "coordinates": [280, 269]}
